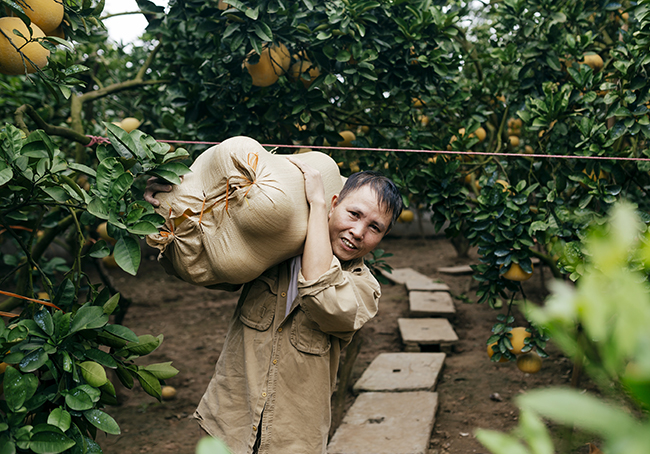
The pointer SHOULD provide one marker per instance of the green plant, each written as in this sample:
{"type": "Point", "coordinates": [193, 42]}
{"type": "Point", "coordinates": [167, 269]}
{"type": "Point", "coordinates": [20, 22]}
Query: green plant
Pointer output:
{"type": "Point", "coordinates": [604, 320]}
{"type": "Point", "coordinates": [56, 385]}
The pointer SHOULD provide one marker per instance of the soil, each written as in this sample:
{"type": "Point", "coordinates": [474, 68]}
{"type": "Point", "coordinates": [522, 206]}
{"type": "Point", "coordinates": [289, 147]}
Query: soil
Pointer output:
{"type": "Point", "coordinates": [473, 391]}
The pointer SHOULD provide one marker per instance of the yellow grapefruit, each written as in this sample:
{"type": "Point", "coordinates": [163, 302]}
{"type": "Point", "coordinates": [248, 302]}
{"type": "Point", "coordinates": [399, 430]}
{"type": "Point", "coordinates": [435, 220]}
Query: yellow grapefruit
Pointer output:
{"type": "Point", "coordinates": [348, 137]}
{"type": "Point", "coordinates": [529, 363]}
{"type": "Point", "coordinates": [516, 273]}
{"type": "Point", "coordinates": [129, 124]}
{"type": "Point", "coordinates": [517, 339]}
{"type": "Point", "coordinates": [301, 67]}
{"type": "Point", "coordinates": [46, 14]}
{"type": "Point", "coordinates": [11, 61]}
{"type": "Point", "coordinates": [406, 216]}
{"type": "Point", "coordinates": [491, 353]}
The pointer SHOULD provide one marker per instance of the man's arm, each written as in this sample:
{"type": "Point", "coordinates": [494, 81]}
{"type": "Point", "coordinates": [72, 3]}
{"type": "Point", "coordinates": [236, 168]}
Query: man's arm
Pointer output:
{"type": "Point", "coordinates": [317, 254]}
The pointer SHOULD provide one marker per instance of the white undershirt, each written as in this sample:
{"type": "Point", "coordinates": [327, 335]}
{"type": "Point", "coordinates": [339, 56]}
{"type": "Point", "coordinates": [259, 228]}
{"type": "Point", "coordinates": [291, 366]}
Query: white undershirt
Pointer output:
{"type": "Point", "coordinates": [292, 291]}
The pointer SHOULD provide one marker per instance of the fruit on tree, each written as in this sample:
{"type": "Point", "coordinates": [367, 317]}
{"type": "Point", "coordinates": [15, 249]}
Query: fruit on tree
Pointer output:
{"type": "Point", "coordinates": [594, 61]}
{"type": "Point", "coordinates": [514, 141]}
{"type": "Point", "coordinates": [348, 137]}
{"type": "Point", "coordinates": [109, 261]}
{"type": "Point", "coordinates": [129, 124]}
{"type": "Point", "coordinates": [491, 353]}
{"type": "Point", "coordinates": [168, 392]}
{"type": "Point", "coordinates": [46, 14]}
{"type": "Point", "coordinates": [417, 103]}
{"type": "Point", "coordinates": [273, 62]}
{"type": "Point", "coordinates": [223, 5]}
{"type": "Point", "coordinates": [481, 134]}
{"type": "Point", "coordinates": [516, 273]}
{"type": "Point", "coordinates": [529, 363]}
{"type": "Point", "coordinates": [102, 231]}
{"type": "Point", "coordinates": [406, 216]}
{"type": "Point", "coordinates": [301, 67]}
{"type": "Point", "coordinates": [518, 338]}
{"type": "Point", "coordinates": [11, 60]}
{"type": "Point", "coordinates": [504, 184]}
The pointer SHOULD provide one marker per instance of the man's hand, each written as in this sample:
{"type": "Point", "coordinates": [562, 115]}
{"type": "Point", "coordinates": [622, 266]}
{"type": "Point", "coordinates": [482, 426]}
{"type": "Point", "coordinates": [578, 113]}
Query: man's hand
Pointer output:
{"type": "Point", "coordinates": [314, 188]}
{"type": "Point", "coordinates": [155, 185]}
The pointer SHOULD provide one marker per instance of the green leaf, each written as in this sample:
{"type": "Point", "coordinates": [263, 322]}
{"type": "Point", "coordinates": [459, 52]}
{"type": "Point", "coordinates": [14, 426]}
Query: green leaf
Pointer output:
{"type": "Point", "coordinates": [162, 371]}
{"type": "Point", "coordinates": [150, 384]}
{"type": "Point", "coordinates": [93, 373]}
{"type": "Point", "coordinates": [121, 185]}
{"type": "Point", "coordinates": [101, 357]}
{"type": "Point", "coordinates": [102, 421]}
{"type": "Point", "coordinates": [143, 228]}
{"type": "Point", "coordinates": [121, 140]}
{"type": "Point", "coordinates": [500, 442]}
{"type": "Point", "coordinates": [88, 317]}
{"type": "Point", "coordinates": [83, 169]}
{"type": "Point", "coordinates": [49, 442]}
{"type": "Point", "coordinates": [6, 175]}
{"type": "Point", "coordinates": [127, 255]}
{"type": "Point", "coordinates": [60, 418]}
{"type": "Point", "coordinates": [78, 399]}
{"type": "Point", "coordinates": [108, 171]}
{"type": "Point", "coordinates": [18, 387]}
{"type": "Point", "coordinates": [99, 249]}
{"type": "Point", "coordinates": [122, 332]}
{"type": "Point", "coordinates": [33, 361]}
{"type": "Point", "coordinates": [97, 207]}
{"type": "Point", "coordinates": [145, 345]}
{"type": "Point", "coordinates": [263, 31]}
{"type": "Point", "coordinates": [112, 303]}
{"type": "Point", "coordinates": [569, 407]}
{"type": "Point", "coordinates": [57, 193]}
{"type": "Point", "coordinates": [43, 319]}
{"type": "Point", "coordinates": [211, 445]}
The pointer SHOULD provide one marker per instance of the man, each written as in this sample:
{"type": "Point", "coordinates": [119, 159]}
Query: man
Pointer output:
{"type": "Point", "coordinates": [274, 378]}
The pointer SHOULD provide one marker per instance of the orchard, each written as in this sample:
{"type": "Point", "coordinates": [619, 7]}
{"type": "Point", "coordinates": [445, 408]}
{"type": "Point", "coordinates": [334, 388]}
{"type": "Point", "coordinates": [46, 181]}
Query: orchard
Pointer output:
{"type": "Point", "coordinates": [516, 127]}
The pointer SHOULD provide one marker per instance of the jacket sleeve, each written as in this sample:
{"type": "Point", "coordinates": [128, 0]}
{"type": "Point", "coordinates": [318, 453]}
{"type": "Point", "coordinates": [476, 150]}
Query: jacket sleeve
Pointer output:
{"type": "Point", "coordinates": [340, 302]}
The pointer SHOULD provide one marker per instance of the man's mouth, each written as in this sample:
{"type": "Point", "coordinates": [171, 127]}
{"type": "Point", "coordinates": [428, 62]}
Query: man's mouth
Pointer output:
{"type": "Point", "coordinates": [348, 243]}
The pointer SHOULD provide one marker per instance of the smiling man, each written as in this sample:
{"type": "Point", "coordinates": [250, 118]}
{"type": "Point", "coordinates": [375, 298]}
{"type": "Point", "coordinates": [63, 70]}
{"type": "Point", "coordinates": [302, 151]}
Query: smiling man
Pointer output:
{"type": "Point", "coordinates": [274, 378]}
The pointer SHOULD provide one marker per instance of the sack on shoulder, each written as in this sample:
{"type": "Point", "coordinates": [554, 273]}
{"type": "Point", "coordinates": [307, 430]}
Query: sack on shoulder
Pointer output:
{"type": "Point", "coordinates": [240, 211]}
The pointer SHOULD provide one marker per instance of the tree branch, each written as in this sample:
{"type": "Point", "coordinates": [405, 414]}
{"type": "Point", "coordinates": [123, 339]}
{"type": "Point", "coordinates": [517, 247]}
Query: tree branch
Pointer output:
{"type": "Point", "coordinates": [48, 128]}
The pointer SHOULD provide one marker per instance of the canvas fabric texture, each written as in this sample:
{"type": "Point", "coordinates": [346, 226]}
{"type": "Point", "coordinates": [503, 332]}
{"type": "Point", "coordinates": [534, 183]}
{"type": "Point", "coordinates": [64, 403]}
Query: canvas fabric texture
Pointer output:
{"type": "Point", "coordinates": [240, 211]}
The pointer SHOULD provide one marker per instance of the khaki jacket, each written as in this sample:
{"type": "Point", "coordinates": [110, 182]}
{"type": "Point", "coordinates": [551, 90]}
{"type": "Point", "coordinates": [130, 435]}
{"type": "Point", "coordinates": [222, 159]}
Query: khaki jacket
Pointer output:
{"type": "Point", "coordinates": [286, 366]}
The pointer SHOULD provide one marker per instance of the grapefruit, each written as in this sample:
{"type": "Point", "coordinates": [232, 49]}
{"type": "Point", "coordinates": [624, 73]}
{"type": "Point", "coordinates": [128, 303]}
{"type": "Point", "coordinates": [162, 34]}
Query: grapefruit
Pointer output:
{"type": "Point", "coordinates": [11, 60]}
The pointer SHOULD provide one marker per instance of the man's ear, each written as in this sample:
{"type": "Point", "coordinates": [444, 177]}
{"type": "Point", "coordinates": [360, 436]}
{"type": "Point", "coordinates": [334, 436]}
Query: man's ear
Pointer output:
{"type": "Point", "coordinates": [335, 201]}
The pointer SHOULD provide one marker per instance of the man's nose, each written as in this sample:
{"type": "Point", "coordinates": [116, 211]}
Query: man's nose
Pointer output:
{"type": "Point", "coordinates": [358, 230]}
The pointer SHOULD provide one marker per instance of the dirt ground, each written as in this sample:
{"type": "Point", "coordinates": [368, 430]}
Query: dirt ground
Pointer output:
{"type": "Point", "coordinates": [473, 392]}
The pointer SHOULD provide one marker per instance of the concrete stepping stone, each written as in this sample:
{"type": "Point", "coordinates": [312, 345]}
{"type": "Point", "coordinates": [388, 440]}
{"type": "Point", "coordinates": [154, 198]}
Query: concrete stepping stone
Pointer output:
{"type": "Point", "coordinates": [431, 304]}
{"type": "Point", "coordinates": [427, 331]}
{"type": "Point", "coordinates": [399, 372]}
{"type": "Point", "coordinates": [426, 286]}
{"type": "Point", "coordinates": [387, 423]}
{"type": "Point", "coordinates": [457, 270]}
{"type": "Point", "coordinates": [402, 275]}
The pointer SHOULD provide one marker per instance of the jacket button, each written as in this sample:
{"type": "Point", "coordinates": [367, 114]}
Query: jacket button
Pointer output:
{"type": "Point", "coordinates": [254, 428]}
{"type": "Point", "coordinates": [263, 394]}
{"type": "Point", "coordinates": [279, 330]}
{"type": "Point", "coordinates": [275, 361]}
{"type": "Point", "coordinates": [283, 294]}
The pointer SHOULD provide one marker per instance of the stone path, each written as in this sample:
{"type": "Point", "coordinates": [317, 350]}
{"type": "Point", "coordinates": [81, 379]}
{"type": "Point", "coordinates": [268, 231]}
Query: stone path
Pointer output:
{"type": "Point", "coordinates": [395, 409]}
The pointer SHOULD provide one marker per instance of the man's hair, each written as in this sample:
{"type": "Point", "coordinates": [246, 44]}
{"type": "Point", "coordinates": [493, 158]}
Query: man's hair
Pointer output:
{"type": "Point", "coordinates": [387, 193]}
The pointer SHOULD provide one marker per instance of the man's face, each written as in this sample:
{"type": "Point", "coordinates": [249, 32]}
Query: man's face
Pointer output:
{"type": "Point", "coordinates": [357, 224]}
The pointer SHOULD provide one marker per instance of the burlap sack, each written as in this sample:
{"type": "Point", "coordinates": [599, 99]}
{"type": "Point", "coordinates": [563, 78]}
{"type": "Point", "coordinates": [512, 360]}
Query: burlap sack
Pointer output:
{"type": "Point", "coordinates": [240, 211]}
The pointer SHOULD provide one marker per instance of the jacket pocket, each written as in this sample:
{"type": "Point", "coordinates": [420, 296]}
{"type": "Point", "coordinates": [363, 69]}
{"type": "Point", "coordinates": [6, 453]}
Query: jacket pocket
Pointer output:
{"type": "Point", "coordinates": [306, 336]}
{"type": "Point", "coordinates": [258, 307]}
